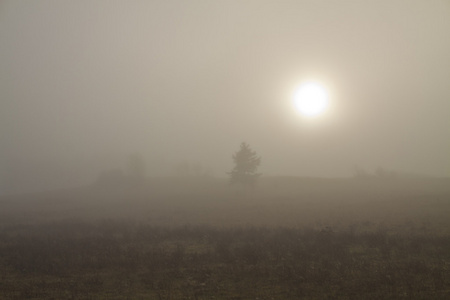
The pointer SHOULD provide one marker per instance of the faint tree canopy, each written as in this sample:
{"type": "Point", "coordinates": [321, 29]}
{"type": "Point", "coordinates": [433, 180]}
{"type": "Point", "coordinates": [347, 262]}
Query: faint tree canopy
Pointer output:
{"type": "Point", "coordinates": [116, 178]}
{"type": "Point", "coordinates": [379, 172]}
{"type": "Point", "coordinates": [136, 167]}
{"type": "Point", "coordinates": [246, 163]}
{"type": "Point", "coordinates": [186, 169]}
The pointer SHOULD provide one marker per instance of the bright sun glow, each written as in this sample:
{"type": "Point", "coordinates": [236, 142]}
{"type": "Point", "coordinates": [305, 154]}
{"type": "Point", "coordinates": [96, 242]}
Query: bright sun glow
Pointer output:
{"type": "Point", "coordinates": [311, 99]}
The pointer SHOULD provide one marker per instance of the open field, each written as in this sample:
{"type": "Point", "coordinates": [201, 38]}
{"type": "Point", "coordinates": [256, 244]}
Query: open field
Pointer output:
{"type": "Point", "coordinates": [290, 238]}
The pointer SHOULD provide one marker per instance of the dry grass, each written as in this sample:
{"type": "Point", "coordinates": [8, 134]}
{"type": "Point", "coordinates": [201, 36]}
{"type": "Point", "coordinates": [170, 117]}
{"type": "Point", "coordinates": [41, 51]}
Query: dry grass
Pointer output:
{"type": "Point", "coordinates": [290, 238]}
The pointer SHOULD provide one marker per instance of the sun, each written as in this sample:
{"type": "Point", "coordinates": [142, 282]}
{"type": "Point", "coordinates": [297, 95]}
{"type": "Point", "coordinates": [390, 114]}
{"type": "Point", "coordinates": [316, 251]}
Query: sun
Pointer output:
{"type": "Point", "coordinates": [311, 99]}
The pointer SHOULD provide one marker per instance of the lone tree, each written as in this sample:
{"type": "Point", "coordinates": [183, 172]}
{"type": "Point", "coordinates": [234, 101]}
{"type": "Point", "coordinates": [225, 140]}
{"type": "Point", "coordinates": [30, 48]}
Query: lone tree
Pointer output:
{"type": "Point", "coordinates": [246, 162]}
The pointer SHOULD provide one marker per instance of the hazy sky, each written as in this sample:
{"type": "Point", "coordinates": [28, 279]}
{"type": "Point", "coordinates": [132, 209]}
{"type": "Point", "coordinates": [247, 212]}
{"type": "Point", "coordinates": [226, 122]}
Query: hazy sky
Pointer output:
{"type": "Point", "coordinates": [85, 83]}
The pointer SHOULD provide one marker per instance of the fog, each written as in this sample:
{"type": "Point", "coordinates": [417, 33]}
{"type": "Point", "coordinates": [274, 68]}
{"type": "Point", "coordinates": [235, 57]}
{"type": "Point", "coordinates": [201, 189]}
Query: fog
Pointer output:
{"type": "Point", "coordinates": [85, 84]}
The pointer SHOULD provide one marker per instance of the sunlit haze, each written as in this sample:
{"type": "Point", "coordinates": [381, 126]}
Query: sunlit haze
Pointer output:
{"type": "Point", "coordinates": [86, 84]}
{"type": "Point", "coordinates": [311, 99]}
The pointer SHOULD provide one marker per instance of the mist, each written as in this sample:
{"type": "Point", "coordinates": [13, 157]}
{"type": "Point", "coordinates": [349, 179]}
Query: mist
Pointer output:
{"type": "Point", "coordinates": [85, 84]}
{"type": "Point", "coordinates": [199, 149]}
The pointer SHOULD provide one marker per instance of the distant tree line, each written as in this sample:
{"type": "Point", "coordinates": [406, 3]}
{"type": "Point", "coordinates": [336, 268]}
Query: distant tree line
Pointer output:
{"type": "Point", "coordinates": [135, 173]}
{"type": "Point", "coordinates": [379, 172]}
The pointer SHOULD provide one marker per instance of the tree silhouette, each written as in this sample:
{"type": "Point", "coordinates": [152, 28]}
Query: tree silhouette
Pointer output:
{"type": "Point", "coordinates": [246, 163]}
